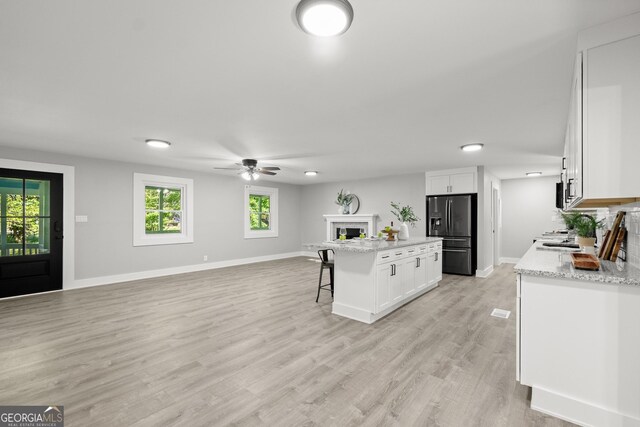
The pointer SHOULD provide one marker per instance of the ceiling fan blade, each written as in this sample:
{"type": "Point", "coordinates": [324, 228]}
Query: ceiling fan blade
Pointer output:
{"type": "Point", "coordinates": [263, 172]}
{"type": "Point", "coordinates": [270, 168]}
{"type": "Point", "coordinates": [229, 169]}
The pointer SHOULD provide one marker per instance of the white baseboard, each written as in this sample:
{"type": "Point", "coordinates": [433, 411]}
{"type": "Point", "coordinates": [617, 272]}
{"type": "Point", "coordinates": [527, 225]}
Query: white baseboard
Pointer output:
{"type": "Point", "coordinates": [576, 411]}
{"type": "Point", "coordinates": [484, 273]}
{"type": "Point", "coordinates": [149, 274]}
{"type": "Point", "coordinates": [507, 260]}
{"type": "Point", "coordinates": [310, 254]}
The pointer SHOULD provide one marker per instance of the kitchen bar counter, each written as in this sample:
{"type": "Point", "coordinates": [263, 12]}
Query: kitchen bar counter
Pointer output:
{"type": "Point", "coordinates": [557, 264]}
{"type": "Point", "coordinates": [366, 245]}
{"type": "Point", "coordinates": [372, 279]}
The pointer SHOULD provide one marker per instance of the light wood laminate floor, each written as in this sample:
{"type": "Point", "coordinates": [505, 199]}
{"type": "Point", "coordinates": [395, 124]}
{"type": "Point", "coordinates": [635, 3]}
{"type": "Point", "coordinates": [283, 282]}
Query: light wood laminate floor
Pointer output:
{"type": "Point", "coordinates": [248, 345]}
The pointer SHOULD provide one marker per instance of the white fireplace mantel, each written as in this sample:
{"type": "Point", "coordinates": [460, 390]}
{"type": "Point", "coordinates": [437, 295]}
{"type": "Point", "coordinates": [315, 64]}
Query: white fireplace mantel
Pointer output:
{"type": "Point", "coordinates": [368, 219]}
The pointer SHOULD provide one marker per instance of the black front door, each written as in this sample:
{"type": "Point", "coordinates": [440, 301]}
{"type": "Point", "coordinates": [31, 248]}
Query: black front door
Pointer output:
{"type": "Point", "coordinates": [30, 232]}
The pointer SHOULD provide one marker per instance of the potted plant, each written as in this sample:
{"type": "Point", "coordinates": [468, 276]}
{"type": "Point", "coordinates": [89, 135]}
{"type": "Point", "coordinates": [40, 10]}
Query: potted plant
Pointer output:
{"type": "Point", "coordinates": [405, 215]}
{"type": "Point", "coordinates": [570, 218]}
{"type": "Point", "coordinates": [586, 226]}
{"type": "Point", "coordinates": [343, 200]}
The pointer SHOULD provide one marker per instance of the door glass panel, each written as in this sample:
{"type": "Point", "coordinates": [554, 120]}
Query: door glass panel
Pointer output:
{"type": "Point", "coordinates": [25, 227]}
{"type": "Point", "coordinates": [13, 237]}
{"type": "Point", "coordinates": [37, 236]}
{"type": "Point", "coordinates": [37, 202]}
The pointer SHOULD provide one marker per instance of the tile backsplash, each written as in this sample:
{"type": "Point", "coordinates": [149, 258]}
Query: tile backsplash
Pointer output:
{"type": "Point", "coordinates": [632, 223]}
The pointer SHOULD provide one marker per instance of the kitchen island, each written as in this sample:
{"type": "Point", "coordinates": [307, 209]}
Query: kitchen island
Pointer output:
{"type": "Point", "coordinates": [374, 278]}
{"type": "Point", "coordinates": [578, 338]}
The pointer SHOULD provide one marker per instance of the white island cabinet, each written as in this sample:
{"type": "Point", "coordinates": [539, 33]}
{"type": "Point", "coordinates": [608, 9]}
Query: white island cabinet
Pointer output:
{"type": "Point", "coordinates": [372, 279]}
{"type": "Point", "coordinates": [578, 338]}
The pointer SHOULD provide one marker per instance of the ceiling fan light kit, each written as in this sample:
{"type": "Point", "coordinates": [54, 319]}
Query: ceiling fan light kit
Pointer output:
{"type": "Point", "coordinates": [250, 171]}
{"type": "Point", "coordinates": [311, 173]}
{"type": "Point", "coordinates": [250, 176]}
{"type": "Point", "coordinates": [324, 18]}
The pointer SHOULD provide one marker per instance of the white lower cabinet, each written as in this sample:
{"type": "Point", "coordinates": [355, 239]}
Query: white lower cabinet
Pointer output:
{"type": "Point", "coordinates": [396, 291]}
{"type": "Point", "coordinates": [409, 266]}
{"type": "Point", "coordinates": [383, 280]}
{"type": "Point", "coordinates": [372, 284]}
{"type": "Point", "coordinates": [434, 264]}
{"type": "Point", "coordinates": [421, 270]}
{"type": "Point", "coordinates": [578, 347]}
{"type": "Point", "coordinates": [402, 274]}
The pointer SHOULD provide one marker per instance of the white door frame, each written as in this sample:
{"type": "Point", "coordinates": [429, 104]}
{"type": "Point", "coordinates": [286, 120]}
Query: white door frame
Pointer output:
{"type": "Point", "coordinates": [68, 210]}
{"type": "Point", "coordinates": [495, 224]}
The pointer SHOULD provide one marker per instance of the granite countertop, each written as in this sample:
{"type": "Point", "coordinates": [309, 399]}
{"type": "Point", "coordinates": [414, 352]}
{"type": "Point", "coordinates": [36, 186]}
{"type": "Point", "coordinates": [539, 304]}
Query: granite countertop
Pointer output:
{"type": "Point", "coordinates": [363, 246]}
{"type": "Point", "coordinates": [547, 263]}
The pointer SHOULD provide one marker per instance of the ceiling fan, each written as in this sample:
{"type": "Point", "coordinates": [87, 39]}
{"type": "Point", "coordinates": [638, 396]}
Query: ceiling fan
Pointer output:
{"type": "Point", "coordinates": [250, 170]}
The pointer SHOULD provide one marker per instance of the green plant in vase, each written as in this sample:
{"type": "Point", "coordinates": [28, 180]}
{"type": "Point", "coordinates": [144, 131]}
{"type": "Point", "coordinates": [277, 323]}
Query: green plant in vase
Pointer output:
{"type": "Point", "coordinates": [344, 200]}
{"type": "Point", "coordinates": [586, 226]}
{"type": "Point", "coordinates": [406, 216]}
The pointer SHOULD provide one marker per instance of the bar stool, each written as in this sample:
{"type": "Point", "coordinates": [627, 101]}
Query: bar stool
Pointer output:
{"type": "Point", "coordinates": [326, 262]}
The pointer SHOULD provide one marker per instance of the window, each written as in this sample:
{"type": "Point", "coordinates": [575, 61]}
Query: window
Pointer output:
{"type": "Point", "coordinates": [162, 209]}
{"type": "Point", "coordinates": [261, 212]}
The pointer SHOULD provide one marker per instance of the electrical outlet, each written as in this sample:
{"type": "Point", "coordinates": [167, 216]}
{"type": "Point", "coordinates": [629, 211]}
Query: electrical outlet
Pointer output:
{"type": "Point", "coordinates": [205, 258]}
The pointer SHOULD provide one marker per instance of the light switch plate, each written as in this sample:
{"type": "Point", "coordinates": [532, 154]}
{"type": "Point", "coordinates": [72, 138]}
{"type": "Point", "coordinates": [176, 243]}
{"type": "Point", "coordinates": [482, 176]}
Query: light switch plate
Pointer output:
{"type": "Point", "coordinates": [82, 218]}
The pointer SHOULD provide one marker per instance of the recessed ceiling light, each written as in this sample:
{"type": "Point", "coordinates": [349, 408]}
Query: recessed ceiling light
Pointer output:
{"type": "Point", "coordinates": [472, 147]}
{"type": "Point", "coordinates": [534, 173]}
{"type": "Point", "coordinates": [311, 173]}
{"type": "Point", "coordinates": [157, 143]}
{"type": "Point", "coordinates": [324, 18]}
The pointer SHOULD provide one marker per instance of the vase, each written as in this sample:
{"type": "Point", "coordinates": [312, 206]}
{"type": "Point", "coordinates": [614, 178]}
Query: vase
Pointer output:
{"type": "Point", "coordinates": [345, 209]}
{"type": "Point", "coordinates": [403, 233]}
{"type": "Point", "coordinates": [586, 242]}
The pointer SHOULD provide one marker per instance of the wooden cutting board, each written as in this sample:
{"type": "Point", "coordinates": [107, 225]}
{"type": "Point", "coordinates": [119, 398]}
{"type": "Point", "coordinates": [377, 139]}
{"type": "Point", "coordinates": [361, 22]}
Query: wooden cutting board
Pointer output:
{"type": "Point", "coordinates": [616, 248]}
{"type": "Point", "coordinates": [612, 236]}
{"type": "Point", "coordinates": [605, 242]}
{"type": "Point", "coordinates": [585, 261]}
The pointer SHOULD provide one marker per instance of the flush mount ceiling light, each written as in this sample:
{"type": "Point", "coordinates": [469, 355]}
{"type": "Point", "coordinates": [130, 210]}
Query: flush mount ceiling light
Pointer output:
{"type": "Point", "coordinates": [311, 173]}
{"type": "Point", "coordinates": [472, 147]}
{"type": "Point", "coordinates": [157, 143]}
{"type": "Point", "coordinates": [534, 173]}
{"type": "Point", "coordinates": [324, 18]}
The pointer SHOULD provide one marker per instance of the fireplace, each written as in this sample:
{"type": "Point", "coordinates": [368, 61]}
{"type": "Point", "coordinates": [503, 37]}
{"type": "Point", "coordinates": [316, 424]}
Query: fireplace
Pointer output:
{"type": "Point", "coordinates": [351, 232]}
{"type": "Point", "coordinates": [353, 222]}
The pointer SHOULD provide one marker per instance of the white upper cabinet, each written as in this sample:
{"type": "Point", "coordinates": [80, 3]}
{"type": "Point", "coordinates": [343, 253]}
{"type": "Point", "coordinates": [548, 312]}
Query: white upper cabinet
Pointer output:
{"type": "Point", "coordinates": [603, 144]}
{"type": "Point", "coordinates": [453, 181]}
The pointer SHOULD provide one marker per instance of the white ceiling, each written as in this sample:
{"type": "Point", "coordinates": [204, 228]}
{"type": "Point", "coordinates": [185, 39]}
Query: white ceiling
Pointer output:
{"type": "Point", "coordinates": [410, 82]}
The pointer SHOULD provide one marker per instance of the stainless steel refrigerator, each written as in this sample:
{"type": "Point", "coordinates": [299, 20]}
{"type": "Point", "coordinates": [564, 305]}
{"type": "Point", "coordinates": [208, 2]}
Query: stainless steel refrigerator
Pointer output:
{"type": "Point", "coordinates": [454, 218]}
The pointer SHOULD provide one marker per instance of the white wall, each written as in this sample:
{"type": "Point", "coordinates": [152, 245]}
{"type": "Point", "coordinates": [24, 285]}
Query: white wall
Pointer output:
{"type": "Point", "coordinates": [104, 192]}
{"type": "Point", "coordinates": [374, 194]}
{"type": "Point", "coordinates": [528, 209]}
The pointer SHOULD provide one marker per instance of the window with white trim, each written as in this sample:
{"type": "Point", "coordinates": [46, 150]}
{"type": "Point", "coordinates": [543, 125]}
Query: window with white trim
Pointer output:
{"type": "Point", "coordinates": [162, 210]}
{"type": "Point", "coordinates": [260, 212]}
